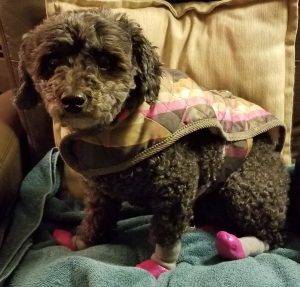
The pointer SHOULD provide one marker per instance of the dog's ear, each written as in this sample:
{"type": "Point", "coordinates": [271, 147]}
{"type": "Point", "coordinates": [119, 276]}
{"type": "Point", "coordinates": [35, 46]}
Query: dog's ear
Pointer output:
{"type": "Point", "coordinates": [146, 61]}
{"type": "Point", "coordinates": [26, 95]}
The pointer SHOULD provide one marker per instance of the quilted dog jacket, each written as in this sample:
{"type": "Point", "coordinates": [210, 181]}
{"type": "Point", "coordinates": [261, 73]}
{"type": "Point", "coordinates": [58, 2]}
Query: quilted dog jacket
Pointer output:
{"type": "Point", "coordinates": [182, 108]}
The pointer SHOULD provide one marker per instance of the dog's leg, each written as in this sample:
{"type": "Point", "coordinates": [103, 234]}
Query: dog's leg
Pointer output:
{"type": "Point", "coordinates": [231, 247]}
{"type": "Point", "coordinates": [256, 196]}
{"type": "Point", "coordinates": [168, 224]}
{"type": "Point", "coordinates": [171, 217]}
{"type": "Point", "coordinates": [175, 180]}
{"type": "Point", "coordinates": [101, 214]}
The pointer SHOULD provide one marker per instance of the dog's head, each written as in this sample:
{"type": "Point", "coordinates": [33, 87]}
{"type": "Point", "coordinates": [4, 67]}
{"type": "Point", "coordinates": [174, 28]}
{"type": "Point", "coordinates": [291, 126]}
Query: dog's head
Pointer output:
{"type": "Point", "coordinates": [86, 66]}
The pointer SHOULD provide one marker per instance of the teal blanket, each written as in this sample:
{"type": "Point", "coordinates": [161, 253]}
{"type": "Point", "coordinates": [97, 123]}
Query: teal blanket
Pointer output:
{"type": "Point", "coordinates": [30, 257]}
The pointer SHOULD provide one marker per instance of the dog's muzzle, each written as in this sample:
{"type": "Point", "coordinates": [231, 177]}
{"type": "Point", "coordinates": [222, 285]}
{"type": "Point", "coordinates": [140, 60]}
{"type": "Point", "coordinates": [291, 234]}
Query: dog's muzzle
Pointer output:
{"type": "Point", "coordinates": [73, 103]}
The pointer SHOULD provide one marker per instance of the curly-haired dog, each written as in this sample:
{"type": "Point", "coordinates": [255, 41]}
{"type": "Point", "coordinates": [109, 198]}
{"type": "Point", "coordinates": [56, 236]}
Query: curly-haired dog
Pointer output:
{"type": "Point", "coordinates": [91, 69]}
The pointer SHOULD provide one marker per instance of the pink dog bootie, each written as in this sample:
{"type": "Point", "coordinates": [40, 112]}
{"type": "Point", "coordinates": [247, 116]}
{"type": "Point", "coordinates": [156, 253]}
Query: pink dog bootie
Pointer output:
{"type": "Point", "coordinates": [152, 267]}
{"type": "Point", "coordinates": [229, 246]}
{"type": "Point", "coordinates": [64, 238]}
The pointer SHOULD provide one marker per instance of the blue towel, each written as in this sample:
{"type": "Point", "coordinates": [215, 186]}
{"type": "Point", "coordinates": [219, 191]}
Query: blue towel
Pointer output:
{"type": "Point", "coordinates": [30, 257]}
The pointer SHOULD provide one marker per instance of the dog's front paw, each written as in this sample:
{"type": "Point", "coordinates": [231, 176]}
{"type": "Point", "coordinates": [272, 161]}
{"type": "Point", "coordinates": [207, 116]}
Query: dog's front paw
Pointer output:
{"type": "Point", "coordinates": [229, 246]}
{"type": "Point", "coordinates": [152, 267]}
{"type": "Point", "coordinates": [63, 238]}
{"type": "Point", "coordinates": [78, 243]}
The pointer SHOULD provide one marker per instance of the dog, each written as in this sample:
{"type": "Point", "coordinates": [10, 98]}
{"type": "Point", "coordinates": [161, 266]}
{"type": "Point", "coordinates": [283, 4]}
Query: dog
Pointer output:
{"type": "Point", "coordinates": [93, 68]}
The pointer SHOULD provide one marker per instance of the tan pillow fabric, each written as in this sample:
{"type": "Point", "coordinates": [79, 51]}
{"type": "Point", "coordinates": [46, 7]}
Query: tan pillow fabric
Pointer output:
{"type": "Point", "coordinates": [245, 46]}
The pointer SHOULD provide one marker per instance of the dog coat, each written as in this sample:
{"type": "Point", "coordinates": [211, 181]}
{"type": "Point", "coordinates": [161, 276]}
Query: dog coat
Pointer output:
{"type": "Point", "coordinates": [182, 108]}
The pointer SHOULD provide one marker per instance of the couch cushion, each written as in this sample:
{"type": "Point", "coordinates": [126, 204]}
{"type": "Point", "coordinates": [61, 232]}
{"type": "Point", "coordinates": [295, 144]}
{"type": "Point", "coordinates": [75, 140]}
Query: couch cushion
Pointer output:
{"type": "Point", "coordinates": [16, 18]}
{"type": "Point", "coordinates": [246, 46]}
{"type": "Point", "coordinates": [296, 113]}
{"type": "Point", "coordinates": [10, 159]}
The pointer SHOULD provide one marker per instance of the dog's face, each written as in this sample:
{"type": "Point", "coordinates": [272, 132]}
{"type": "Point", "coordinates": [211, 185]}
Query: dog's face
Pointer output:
{"type": "Point", "coordinates": [86, 67]}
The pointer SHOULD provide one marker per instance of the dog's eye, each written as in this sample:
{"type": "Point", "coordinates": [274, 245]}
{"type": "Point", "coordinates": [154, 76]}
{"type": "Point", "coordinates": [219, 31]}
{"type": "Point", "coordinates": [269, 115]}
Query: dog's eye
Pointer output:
{"type": "Point", "coordinates": [104, 62]}
{"type": "Point", "coordinates": [53, 63]}
{"type": "Point", "coordinates": [48, 66]}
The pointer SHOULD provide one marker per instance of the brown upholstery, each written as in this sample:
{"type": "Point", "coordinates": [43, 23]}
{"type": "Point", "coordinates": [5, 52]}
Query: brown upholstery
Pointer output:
{"type": "Point", "coordinates": [16, 18]}
{"type": "Point", "coordinates": [296, 113]}
{"type": "Point", "coordinates": [11, 136]}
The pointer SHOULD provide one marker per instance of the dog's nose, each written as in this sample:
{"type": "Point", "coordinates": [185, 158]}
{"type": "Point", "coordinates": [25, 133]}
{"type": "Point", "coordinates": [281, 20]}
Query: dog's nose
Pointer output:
{"type": "Point", "coordinates": [73, 103]}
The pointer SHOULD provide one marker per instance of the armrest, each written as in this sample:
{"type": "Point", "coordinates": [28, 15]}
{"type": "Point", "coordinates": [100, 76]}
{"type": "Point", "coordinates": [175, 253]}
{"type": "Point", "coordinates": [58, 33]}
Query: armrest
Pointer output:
{"type": "Point", "coordinates": [10, 158]}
